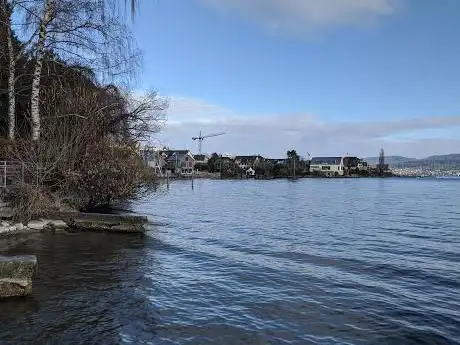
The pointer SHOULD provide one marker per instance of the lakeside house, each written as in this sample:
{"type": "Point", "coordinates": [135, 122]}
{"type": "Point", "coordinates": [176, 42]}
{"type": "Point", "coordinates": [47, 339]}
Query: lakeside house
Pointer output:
{"type": "Point", "coordinates": [250, 172]}
{"type": "Point", "coordinates": [246, 162]}
{"type": "Point", "coordinates": [169, 162]}
{"type": "Point", "coordinates": [328, 166]}
{"type": "Point", "coordinates": [337, 166]}
{"type": "Point", "coordinates": [184, 163]}
{"type": "Point", "coordinates": [201, 159]}
{"type": "Point", "coordinates": [178, 162]}
{"type": "Point", "coordinates": [276, 161]}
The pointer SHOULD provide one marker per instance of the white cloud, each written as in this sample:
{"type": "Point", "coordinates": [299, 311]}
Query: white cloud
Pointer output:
{"type": "Point", "coordinates": [273, 134]}
{"type": "Point", "coordinates": [301, 15]}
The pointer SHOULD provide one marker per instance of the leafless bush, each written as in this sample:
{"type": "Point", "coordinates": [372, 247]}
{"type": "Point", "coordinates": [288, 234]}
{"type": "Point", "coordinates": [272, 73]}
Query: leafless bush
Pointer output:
{"type": "Point", "coordinates": [30, 200]}
{"type": "Point", "coordinates": [87, 154]}
{"type": "Point", "coordinates": [108, 173]}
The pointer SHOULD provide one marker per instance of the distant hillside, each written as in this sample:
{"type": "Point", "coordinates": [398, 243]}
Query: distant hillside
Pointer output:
{"type": "Point", "coordinates": [444, 158]}
{"type": "Point", "coordinates": [450, 160]}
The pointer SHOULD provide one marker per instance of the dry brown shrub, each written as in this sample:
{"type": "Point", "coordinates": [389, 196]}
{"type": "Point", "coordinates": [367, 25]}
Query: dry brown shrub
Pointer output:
{"type": "Point", "coordinates": [29, 201]}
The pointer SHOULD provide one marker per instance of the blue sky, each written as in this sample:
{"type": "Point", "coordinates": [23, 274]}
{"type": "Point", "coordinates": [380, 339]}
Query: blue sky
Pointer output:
{"type": "Point", "coordinates": [322, 76]}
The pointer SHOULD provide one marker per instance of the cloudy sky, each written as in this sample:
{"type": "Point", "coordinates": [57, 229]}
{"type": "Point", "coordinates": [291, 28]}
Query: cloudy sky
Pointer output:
{"type": "Point", "coordinates": [327, 77]}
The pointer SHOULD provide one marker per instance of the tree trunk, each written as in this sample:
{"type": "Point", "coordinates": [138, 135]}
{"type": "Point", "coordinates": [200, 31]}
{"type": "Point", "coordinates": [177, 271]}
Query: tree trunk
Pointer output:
{"type": "Point", "coordinates": [35, 92]}
{"type": "Point", "coordinates": [11, 84]}
{"type": "Point", "coordinates": [11, 69]}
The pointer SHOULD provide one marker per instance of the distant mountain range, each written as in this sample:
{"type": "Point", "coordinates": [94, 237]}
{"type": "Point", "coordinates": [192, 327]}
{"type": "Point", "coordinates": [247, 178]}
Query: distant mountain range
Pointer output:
{"type": "Point", "coordinates": [450, 159]}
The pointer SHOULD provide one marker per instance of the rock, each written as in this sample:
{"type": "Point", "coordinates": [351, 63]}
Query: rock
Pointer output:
{"type": "Point", "coordinates": [19, 226]}
{"type": "Point", "coordinates": [16, 273]}
{"type": "Point", "coordinates": [58, 224]}
{"type": "Point", "coordinates": [15, 287]}
{"type": "Point", "coordinates": [20, 267]}
{"type": "Point", "coordinates": [37, 224]}
{"type": "Point", "coordinates": [6, 227]}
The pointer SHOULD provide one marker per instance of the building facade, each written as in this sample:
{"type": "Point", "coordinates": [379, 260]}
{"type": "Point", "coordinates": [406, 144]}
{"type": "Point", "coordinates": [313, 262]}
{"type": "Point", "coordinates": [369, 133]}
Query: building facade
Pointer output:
{"type": "Point", "coordinates": [178, 162]}
{"type": "Point", "coordinates": [327, 166]}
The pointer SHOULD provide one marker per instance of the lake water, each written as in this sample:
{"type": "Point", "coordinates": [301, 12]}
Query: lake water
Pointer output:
{"type": "Point", "coordinates": [336, 261]}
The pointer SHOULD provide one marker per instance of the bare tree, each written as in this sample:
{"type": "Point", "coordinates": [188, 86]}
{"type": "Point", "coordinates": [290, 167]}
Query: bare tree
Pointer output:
{"type": "Point", "coordinates": [83, 33]}
{"type": "Point", "coordinates": [6, 9]}
{"type": "Point", "coordinates": [14, 52]}
{"type": "Point", "coordinates": [45, 21]}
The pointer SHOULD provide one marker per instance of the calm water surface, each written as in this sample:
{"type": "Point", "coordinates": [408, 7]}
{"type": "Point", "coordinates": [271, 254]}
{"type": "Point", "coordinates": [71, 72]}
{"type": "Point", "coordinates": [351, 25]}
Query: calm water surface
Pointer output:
{"type": "Point", "coordinates": [364, 261]}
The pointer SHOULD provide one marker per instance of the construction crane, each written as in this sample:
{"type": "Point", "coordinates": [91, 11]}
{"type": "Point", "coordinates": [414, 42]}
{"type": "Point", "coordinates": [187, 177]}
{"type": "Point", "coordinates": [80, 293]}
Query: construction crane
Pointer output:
{"type": "Point", "coordinates": [200, 139]}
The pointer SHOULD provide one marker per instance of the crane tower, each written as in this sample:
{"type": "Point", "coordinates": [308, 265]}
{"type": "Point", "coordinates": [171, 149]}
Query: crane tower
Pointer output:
{"type": "Point", "coordinates": [200, 139]}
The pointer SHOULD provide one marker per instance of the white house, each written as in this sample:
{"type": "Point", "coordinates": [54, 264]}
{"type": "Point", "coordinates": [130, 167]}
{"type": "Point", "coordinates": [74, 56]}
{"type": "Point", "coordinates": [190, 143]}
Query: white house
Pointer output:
{"type": "Point", "coordinates": [329, 166]}
{"type": "Point", "coordinates": [250, 172]}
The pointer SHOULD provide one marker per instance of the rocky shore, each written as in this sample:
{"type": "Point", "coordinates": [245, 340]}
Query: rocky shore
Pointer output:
{"type": "Point", "coordinates": [16, 272]}
{"type": "Point", "coordinates": [64, 222]}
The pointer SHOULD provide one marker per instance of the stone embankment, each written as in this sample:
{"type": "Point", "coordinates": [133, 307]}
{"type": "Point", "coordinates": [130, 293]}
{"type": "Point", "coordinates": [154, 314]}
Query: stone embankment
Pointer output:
{"type": "Point", "coordinates": [16, 273]}
{"type": "Point", "coordinates": [34, 226]}
{"type": "Point", "coordinates": [65, 222]}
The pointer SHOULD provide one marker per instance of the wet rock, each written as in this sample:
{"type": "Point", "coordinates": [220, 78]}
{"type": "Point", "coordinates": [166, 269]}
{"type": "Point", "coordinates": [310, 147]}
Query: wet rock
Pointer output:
{"type": "Point", "coordinates": [20, 266]}
{"type": "Point", "coordinates": [15, 287]}
{"type": "Point", "coordinates": [16, 273]}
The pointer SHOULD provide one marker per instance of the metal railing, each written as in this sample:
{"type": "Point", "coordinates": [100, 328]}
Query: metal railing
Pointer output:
{"type": "Point", "coordinates": [10, 173]}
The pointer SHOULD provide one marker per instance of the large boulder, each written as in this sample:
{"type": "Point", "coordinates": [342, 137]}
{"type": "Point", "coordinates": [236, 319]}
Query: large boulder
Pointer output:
{"type": "Point", "coordinates": [15, 287]}
{"type": "Point", "coordinates": [16, 273]}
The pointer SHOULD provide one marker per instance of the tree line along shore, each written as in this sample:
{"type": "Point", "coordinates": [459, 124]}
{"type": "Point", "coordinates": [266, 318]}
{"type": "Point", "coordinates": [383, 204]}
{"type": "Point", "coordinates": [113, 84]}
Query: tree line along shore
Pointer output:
{"type": "Point", "coordinates": [166, 163]}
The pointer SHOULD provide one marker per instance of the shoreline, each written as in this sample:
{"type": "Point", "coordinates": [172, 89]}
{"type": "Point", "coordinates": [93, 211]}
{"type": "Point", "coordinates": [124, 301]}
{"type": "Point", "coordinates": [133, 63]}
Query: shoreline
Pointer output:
{"type": "Point", "coordinates": [74, 222]}
{"type": "Point", "coordinates": [186, 178]}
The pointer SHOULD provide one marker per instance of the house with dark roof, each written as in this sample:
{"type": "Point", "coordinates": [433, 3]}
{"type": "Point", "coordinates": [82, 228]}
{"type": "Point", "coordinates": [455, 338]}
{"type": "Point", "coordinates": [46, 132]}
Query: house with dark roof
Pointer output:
{"type": "Point", "coordinates": [178, 162]}
{"type": "Point", "coordinates": [201, 159]}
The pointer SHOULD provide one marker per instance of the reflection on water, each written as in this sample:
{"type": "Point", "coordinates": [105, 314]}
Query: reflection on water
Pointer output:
{"type": "Point", "coordinates": [255, 262]}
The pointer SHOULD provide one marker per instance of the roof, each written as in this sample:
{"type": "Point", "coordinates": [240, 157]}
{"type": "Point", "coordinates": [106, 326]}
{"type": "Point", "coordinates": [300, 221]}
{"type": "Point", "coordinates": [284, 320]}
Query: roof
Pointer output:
{"type": "Point", "coordinates": [184, 152]}
{"type": "Point", "coordinates": [276, 160]}
{"type": "Point", "coordinates": [248, 158]}
{"type": "Point", "coordinates": [200, 157]}
{"type": "Point", "coordinates": [351, 161]}
{"type": "Point", "coordinates": [326, 160]}
{"type": "Point", "coordinates": [168, 154]}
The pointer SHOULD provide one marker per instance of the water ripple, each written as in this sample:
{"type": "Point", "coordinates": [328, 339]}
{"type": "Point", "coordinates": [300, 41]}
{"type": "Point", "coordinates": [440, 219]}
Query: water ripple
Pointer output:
{"type": "Point", "coordinates": [256, 262]}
